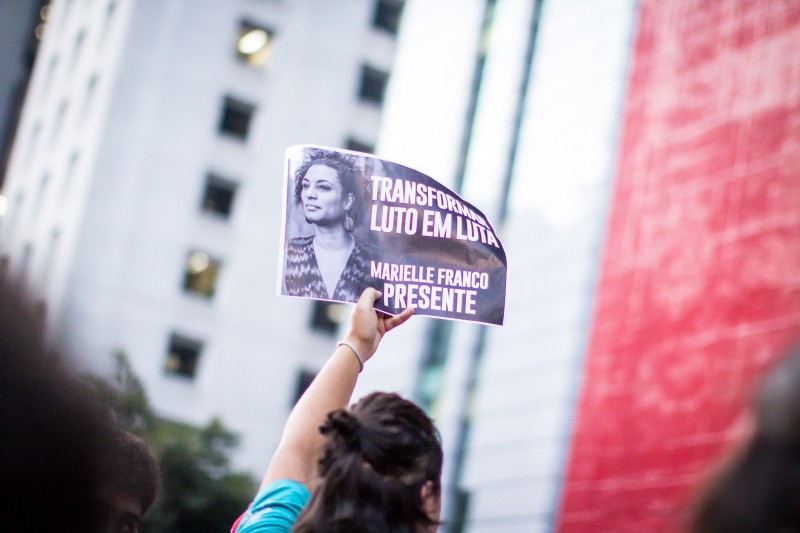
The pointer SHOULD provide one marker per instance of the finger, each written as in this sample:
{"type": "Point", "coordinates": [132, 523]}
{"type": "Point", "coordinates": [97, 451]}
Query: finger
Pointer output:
{"type": "Point", "coordinates": [368, 297]}
{"type": "Point", "coordinates": [396, 320]}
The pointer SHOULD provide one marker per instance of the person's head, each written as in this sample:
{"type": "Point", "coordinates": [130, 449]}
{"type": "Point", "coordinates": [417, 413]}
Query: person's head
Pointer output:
{"type": "Point", "coordinates": [330, 188]}
{"type": "Point", "coordinates": [758, 488]}
{"type": "Point", "coordinates": [380, 469]}
{"type": "Point", "coordinates": [131, 482]}
{"type": "Point", "coordinates": [54, 429]}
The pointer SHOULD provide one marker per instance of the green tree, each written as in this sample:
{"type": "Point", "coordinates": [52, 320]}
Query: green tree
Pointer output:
{"type": "Point", "coordinates": [199, 491]}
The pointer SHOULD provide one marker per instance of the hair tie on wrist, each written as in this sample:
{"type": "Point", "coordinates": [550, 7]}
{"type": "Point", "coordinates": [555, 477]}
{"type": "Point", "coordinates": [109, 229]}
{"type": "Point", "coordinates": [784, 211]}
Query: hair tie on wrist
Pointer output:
{"type": "Point", "coordinates": [358, 355]}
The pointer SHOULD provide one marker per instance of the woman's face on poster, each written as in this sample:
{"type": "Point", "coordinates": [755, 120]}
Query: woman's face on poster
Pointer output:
{"type": "Point", "coordinates": [324, 201]}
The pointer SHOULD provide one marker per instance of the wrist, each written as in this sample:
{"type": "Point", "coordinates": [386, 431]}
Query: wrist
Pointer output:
{"type": "Point", "coordinates": [362, 345]}
{"type": "Point", "coordinates": [354, 348]}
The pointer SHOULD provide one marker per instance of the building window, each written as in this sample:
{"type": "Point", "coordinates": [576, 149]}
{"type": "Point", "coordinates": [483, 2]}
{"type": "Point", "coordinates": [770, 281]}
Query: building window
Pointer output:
{"type": "Point", "coordinates": [460, 510]}
{"type": "Point", "coordinates": [358, 146]}
{"type": "Point", "coordinates": [58, 124]}
{"type": "Point", "coordinates": [69, 174]}
{"type": "Point", "coordinates": [41, 194]}
{"type": "Point", "coordinates": [25, 263]}
{"type": "Point", "coordinates": [218, 196]}
{"type": "Point", "coordinates": [236, 118]}
{"type": "Point", "coordinates": [183, 356]}
{"type": "Point", "coordinates": [200, 276]}
{"type": "Point", "coordinates": [110, 10]}
{"type": "Point", "coordinates": [50, 258]}
{"type": "Point", "coordinates": [387, 15]}
{"type": "Point", "coordinates": [253, 44]}
{"type": "Point", "coordinates": [65, 13]}
{"type": "Point", "coordinates": [88, 97]}
{"type": "Point", "coordinates": [326, 316]}
{"type": "Point", "coordinates": [373, 85]}
{"type": "Point", "coordinates": [52, 67]}
{"type": "Point", "coordinates": [304, 379]}
{"type": "Point", "coordinates": [77, 49]}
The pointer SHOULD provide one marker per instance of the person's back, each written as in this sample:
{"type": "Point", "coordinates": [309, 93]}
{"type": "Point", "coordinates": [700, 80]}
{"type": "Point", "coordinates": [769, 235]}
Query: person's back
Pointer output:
{"type": "Point", "coordinates": [380, 470]}
{"type": "Point", "coordinates": [374, 467]}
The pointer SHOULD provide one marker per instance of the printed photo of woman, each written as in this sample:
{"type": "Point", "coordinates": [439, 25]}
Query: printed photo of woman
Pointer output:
{"type": "Point", "coordinates": [332, 263]}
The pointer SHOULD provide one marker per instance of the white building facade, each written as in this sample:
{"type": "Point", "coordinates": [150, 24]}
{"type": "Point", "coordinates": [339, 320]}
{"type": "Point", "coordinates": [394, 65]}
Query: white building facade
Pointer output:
{"type": "Point", "coordinates": [144, 189]}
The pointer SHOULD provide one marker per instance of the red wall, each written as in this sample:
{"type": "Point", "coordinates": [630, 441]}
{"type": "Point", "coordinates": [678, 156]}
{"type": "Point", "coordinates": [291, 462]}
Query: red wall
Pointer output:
{"type": "Point", "coordinates": [699, 285]}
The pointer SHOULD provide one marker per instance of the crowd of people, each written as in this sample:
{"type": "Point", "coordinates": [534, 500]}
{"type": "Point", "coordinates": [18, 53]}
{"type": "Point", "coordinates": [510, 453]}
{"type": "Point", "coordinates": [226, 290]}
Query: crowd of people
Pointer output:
{"type": "Point", "coordinates": [374, 466]}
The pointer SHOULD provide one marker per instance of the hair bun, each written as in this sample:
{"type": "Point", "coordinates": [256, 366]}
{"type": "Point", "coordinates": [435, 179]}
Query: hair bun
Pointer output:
{"type": "Point", "coordinates": [346, 427]}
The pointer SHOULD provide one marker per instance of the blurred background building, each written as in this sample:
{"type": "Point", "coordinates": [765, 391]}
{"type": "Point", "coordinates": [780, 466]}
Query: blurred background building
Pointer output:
{"type": "Point", "coordinates": [642, 159]}
{"type": "Point", "coordinates": [21, 28]}
{"type": "Point", "coordinates": [145, 185]}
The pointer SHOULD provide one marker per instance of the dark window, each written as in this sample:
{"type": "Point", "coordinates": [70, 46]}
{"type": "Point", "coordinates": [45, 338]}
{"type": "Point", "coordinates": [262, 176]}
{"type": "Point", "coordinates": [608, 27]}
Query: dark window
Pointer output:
{"type": "Point", "coordinates": [325, 317]}
{"type": "Point", "coordinates": [218, 196]}
{"type": "Point", "coordinates": [110, 10]}
{"type": "Point", "coordinates": [58, 123]}
{"type": "Point", "coordinates": [304, 379]}
{"type": "Point", "coordinates": [373, 85]}
{"type": "Point", "coordinates": [387, 15]}
{"type": "Point", "coordinates": [88, 97]}
{"type": "Point", "coordinates": [358, 146]}
{"type": "Point", "coordinates": [182, 356]}
{"type": "Point", "coordinates": [236, 118]}
{"type": "Point", "coordinates": [72, 165]}
{"type": "Point", "coordinates": [460, 510]}
{"type": "Point", "coordinates": [77, 48]}
{"type": "Point", "coordinates": [25, 262]}
{"type": "Point", "coordinates": [253, 44]}
{"type": "Point", "coordinates": [51, 71]}
{"type": "Point", "coordinates": [200, 275]}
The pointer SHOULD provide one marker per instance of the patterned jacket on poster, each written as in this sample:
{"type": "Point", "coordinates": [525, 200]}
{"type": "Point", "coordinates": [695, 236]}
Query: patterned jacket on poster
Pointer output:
{"type": "Point", "coordinates": [303, 278]}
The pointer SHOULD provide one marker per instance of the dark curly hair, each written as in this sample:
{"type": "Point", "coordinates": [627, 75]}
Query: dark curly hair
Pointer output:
{"type": "Point", "coordinates": [346, 170]}
{"type": "Point", "coordinates": [55, 431]}
{"type": "Point", "coordinates": [131, 468]}
{"type": "Point", "coordinates": [378, 456]}
{"type": "Point", "coordinates": [758, 487]}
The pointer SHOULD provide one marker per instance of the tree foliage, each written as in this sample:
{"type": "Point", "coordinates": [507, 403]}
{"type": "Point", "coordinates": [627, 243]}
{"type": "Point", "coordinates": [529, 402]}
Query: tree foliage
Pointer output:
{"type": "Point", "coordinates": [199, 491]}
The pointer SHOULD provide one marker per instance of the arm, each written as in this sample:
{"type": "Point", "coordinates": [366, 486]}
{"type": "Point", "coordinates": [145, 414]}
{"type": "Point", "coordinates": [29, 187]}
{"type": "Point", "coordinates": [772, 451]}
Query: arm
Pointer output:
{"type": "Point", "coordinates": [301, 443]}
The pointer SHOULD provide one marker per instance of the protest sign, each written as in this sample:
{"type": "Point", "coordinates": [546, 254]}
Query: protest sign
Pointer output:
{"type": "Point", "coordinates": [352, 220]}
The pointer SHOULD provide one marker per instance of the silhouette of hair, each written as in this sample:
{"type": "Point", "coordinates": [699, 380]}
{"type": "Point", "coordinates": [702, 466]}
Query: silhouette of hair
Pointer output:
{"type": "Point", "coordinates": [132, 469]}
{"type": "Point", "coordinates": [378, 456]}
{"type": "Point", "coordinates": [758, 489]}
{"type": "Point", "coordinates": [54, 431]}
{"type": "Point", "coordinates": [349, 176]}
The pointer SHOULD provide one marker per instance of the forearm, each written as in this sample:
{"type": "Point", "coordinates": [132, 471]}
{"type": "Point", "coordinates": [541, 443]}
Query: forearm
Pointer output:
{"type": "Point", "coordinates": [301, 443]}
{"type": "Point", "coordinates": [330, 390]}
